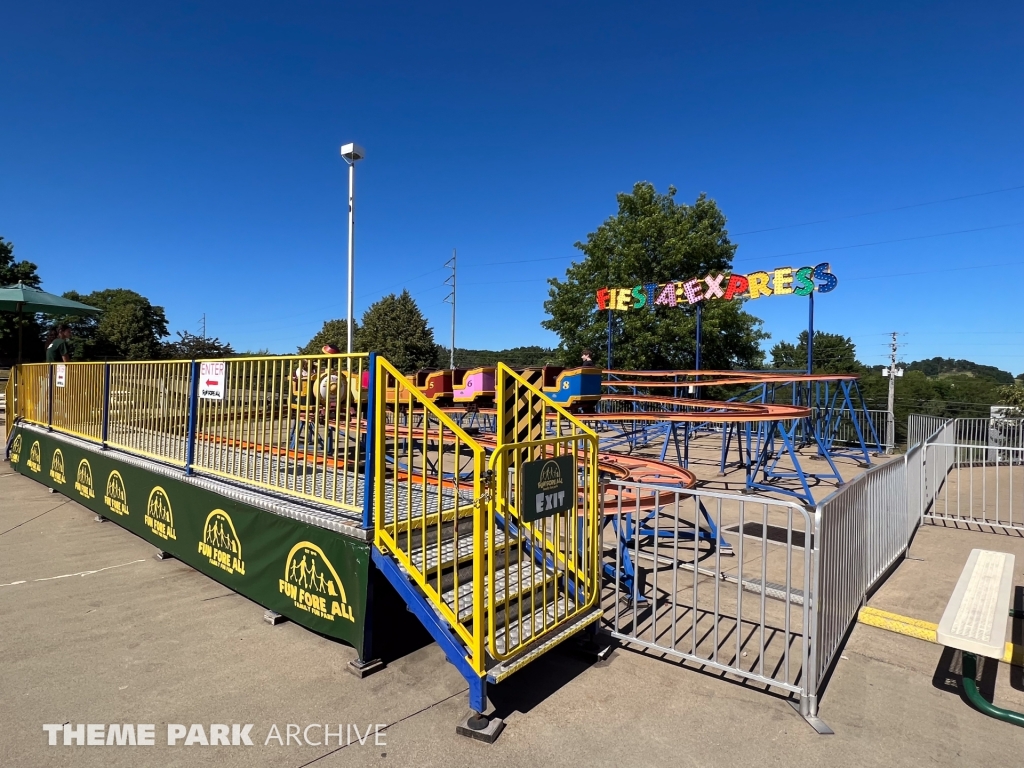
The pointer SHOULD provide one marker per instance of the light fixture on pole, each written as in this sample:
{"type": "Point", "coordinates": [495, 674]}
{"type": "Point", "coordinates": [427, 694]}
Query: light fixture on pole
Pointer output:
{"type": "Point", "coordinates": [351, 153]}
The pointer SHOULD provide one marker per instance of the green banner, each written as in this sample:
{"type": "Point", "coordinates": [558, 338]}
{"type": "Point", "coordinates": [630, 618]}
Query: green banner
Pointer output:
{"type": "Point", "coordinates": [548, 487]}
{"type": "Point", "coordinates": [315, 577]}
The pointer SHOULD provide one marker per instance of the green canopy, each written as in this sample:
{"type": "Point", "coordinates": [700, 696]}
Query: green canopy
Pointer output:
{"type": "Point", "coordinates": [21, 298]}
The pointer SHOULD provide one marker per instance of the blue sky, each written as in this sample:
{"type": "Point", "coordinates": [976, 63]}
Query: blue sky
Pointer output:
{"type": "Point", "coordinates": [191, 153]}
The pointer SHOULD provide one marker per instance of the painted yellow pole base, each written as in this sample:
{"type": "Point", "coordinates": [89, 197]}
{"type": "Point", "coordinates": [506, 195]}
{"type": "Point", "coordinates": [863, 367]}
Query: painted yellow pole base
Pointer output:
{"type": "Point", "coordinates": [924, 630]}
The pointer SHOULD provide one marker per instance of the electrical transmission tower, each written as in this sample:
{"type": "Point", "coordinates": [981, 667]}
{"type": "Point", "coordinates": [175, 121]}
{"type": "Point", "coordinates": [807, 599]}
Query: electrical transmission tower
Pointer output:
{"type": "Point", "coordinates": [450, 299]}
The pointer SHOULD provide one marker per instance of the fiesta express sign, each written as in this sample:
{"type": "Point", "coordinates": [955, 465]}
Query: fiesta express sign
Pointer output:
{"type": "Point", "coordinates": [783, 281]}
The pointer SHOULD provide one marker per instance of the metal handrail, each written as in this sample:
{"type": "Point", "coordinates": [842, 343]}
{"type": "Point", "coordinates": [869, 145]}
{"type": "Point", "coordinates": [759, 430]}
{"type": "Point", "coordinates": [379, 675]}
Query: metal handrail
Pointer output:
{"type": "Point", "coordinates": [418, 503]}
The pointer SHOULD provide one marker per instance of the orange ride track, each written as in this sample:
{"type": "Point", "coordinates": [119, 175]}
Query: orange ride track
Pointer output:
{"type": "Point", "coordinates": [617, 466]}
{"type": "Point", "coordinates": [717, 378]}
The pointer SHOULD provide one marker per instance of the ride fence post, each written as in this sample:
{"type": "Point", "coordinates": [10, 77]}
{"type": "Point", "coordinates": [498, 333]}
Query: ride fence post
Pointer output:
{"type": "Point", "coordinates": [193, 414]}
{"type": "Point", "coordinates": [105, 423]}
{"type": "Point", "coordinates": [49, 400]}
{"type": "Point", "coordinates": [810, 333]}
{"type": "Point", "coordinates": [696, 364]}
{"type": "Point", "coordinates": [609, 366]}
{"type": "Point", "coordinates": [371, 423]}
{"type": "Point", "coordinates": [696, 360]}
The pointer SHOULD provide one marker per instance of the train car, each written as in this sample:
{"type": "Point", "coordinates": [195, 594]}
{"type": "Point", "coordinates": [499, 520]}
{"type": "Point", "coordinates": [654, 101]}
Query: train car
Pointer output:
{"type": "Point", "coordinates": [473, 385]}
{"type": "Point", "coordinates": [575, 388]}
{"type": "Point", "coordinates": [437, 385]}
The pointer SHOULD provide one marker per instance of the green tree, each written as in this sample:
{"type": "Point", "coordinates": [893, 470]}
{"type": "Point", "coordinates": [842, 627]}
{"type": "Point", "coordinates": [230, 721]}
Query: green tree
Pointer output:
{"type": "Point", "coordinates": [192, 347]}
{"type": "Point", "coordinates": [395, 327]}
{"type": "Point", "coordinates": [833, 353]}
{"type": "Point", "coordinates": [12, 272]}
{"type": "Point", "coordinates": [129, 328]}
{"type": "Point", "coordinates": [939, 366]}
{"type": "Point", "coordinates": [1013, 396]}
{"type": "Point", "coordinates": [334, 332]}
{"type": "Point", "coordinates": [653, 239]}
{"type": "Point", "coordinates": [517, 357]}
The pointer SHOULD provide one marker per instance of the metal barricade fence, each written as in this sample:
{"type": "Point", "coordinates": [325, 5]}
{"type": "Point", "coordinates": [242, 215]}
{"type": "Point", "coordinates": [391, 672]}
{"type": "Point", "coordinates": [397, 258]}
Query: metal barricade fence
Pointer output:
{"type": "Point", "coordinates": [846, 432]}
{"type": "Point", "coordinates": [915, 488]}
{"type": "Point", "coordinates": [972, 485]}
{"type": "Point", "coordinates": [743, 609]}
{"type": "Point", "coordinates": [292, 424]}
{"type": "Point", "coordinates": [862, 529]}
{"type": "Point", "coordinates": [921, 427]}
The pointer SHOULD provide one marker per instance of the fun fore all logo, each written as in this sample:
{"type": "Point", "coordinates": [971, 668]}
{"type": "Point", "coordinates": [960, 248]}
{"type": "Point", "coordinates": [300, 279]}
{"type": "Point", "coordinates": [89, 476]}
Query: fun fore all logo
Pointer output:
{"type": "Point", "coordinates": [312, 583]}
{"type": "Point", "coordinates": [34, 461]}
{"type": "Point", "coordinates": [220, 544]}
{"type": "Point", "coordinates": [16, 450]}
{"type": "Point", "coordinates": [159, 516]}
{"type": "Point", "coordinates": [115, 496]}
{"type": "Point", "coordinates": [83, 480]}
{"type": "Point", "coordinates": [57, 467]}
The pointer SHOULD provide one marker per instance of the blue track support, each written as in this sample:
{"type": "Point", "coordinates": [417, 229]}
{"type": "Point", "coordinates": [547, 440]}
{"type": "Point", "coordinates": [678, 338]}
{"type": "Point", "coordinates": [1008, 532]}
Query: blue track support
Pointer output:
{"type": "Point", "coordinates": [696, 356]}
{"type": "Point", "coordinates": [631, 530]}
{"type": "Point", "coordinates": [371, 428]}
{"type": "Point", "coordinates": [193, 418]}
{"type": "Point", "coordinates": [713, 534]}
{"type": "Point", "coordinates": [453, 649]}
{"type": "Point", "coordinates": [830, 416]}
{"type": "Point", "coordinates": [766, 459]}
{"type": "Point", "coordinates": [810, 333]}
{"type": "Point", "coordinates": [105, 423]}
{"type": "Point", "coordinates": [627, 573]}
{"type": "Point", "coordinates": [867, 416]}
{"type": "Point", "coordinates": [609, 366]}
{"type": "Point", "coordinates": [672, 434]}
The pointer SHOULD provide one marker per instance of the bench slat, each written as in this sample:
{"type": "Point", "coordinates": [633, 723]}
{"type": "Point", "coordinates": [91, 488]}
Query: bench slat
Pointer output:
{"type": "Point", "coordinates": [977, 615]}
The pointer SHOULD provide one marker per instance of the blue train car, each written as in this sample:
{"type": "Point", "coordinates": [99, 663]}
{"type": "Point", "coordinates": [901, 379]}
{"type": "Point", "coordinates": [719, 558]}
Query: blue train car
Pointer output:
{"type": "Point", "coordinates": [575, 388]}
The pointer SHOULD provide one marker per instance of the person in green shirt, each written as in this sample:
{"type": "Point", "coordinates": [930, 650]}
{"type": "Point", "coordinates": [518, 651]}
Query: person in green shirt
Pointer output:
{"type": "Point", "coordinates": [59, 350]}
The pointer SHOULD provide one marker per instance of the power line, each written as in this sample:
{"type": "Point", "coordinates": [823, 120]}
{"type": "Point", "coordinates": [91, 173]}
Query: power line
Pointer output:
{"type": "Point", "coordinates": [793, 253]}
{"type": "Point", "coordinates": [883, 210]}
{"type": "Point", "coordinates": [883, 242]}
{"type": "Point", "coordinates": [935, 271]}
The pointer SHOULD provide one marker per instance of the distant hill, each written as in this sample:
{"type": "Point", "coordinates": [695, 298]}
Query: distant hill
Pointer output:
{"type": "Point", "coordinates": [516, 357]}
{"type": "Point", "coordinates": [947, 366]}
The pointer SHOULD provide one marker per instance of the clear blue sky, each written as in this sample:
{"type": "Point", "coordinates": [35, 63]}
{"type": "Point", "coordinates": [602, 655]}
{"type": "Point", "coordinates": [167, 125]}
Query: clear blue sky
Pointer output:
{"type": "Point", "coordinates": [191, 153]}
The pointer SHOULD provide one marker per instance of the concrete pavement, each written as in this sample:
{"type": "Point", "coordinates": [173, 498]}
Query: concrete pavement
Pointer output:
{"type": "Point", "coordinates": [97, 631]}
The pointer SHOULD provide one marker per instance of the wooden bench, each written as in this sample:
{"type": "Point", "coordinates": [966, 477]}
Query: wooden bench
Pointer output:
{"type": "Point", "coordinates": [976, 618]}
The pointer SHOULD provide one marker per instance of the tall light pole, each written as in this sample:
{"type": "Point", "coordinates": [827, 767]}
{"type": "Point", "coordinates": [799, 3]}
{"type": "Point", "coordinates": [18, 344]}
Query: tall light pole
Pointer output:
{"type": "Point", "coordinates": [351, 153]}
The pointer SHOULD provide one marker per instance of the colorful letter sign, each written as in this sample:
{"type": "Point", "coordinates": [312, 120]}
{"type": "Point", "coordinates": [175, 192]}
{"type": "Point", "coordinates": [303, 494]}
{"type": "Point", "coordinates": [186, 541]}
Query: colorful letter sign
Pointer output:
{"type": "Point", "coordinates": [682, 293]}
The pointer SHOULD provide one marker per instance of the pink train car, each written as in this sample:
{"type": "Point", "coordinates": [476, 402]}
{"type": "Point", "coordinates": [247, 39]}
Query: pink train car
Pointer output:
{"type": "Point", "coordinates": [473, 385]}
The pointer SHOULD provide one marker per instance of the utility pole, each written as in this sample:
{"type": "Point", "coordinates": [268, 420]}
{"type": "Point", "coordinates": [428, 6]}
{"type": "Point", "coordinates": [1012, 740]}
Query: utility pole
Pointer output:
{"type": "Point", "coordinates": [450, 299]}
{"type": "Point", "coordinates": [203, 326]}
{"type": "Point", "coordinates": [892, 372]}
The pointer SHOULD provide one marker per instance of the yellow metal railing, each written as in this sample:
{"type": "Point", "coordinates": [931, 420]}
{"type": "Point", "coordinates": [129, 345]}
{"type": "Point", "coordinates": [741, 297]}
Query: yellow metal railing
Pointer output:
{"type": "Point", "coordinates": [565, 544]}
{"type": "Point", "coordinates": [33, 393]}
{"type": "Point", "coordinates": [291, 424]}
{"type": "Point", "coordinates": [10, 403]}
{"type": "Point", "coordinates": [78, 399]}
{"type": "Point", "coordinates": [429, 510]}
{"type": "Point", "coordinates": [148, 408]}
